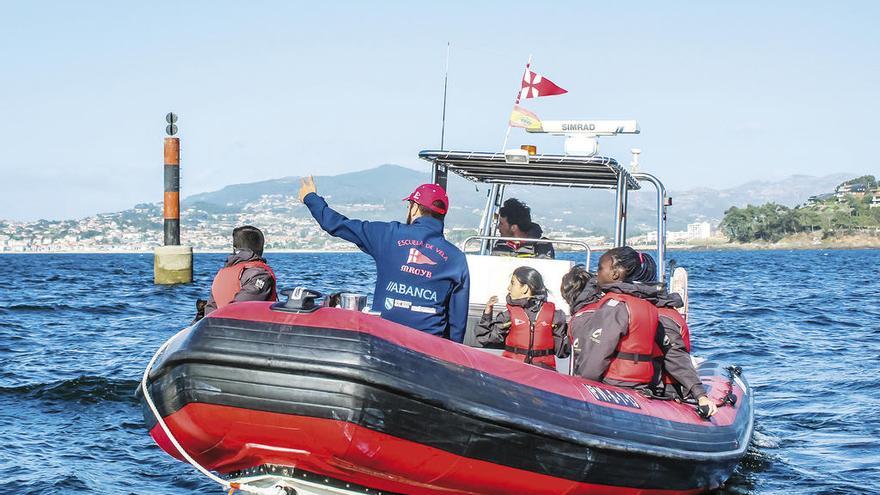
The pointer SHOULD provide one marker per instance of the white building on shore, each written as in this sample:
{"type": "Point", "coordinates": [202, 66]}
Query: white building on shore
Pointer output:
{"type": "Point", "coordinates": [699, 230]}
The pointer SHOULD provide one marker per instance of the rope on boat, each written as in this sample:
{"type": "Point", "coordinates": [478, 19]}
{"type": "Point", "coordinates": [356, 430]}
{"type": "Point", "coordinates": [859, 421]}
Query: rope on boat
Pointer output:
{"type": "Point", "coordinates": [227, 485]}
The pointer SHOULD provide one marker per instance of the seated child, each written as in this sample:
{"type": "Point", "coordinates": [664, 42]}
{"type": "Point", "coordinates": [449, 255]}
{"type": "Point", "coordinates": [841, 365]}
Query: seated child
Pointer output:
{"type": "Point", "coordinates": [531, 330]}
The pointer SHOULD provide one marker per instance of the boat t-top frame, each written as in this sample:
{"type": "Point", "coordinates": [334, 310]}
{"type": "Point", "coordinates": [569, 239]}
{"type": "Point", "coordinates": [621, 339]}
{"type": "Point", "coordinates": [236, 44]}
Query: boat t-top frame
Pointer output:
{"type": "Point", "coordinates": [518, 167]}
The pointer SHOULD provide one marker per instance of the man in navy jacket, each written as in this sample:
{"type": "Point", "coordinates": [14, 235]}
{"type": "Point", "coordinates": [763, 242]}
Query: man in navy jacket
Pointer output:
{"type": "Point", "coordinates": [422, 279]}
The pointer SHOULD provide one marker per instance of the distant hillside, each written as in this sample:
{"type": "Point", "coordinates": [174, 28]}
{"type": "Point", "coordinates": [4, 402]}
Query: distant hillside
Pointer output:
{"type": "Point", "coordinates": [697, 204]}
{"type": "Point", "coordinates": [375, 194]}
{"type": "Point", "coordinates": [852, 210]}
{"type": "Point", "coordinates": [373, 186]}
{"type": "Point", "coordinates": [558, 208]}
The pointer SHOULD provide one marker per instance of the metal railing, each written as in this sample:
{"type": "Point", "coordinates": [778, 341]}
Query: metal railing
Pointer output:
{"type": "Point", "coordinates": [661, 222]}
{"type": "Point", "coordinates": [486, 238]}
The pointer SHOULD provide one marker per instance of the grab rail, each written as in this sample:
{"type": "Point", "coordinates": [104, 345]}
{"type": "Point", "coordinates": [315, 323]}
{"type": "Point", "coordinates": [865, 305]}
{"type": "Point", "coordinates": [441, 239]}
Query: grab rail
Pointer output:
{"type": "Point", "coordinates": [582, 244]}
{"type": "Point", "coordinates": [661, 222]}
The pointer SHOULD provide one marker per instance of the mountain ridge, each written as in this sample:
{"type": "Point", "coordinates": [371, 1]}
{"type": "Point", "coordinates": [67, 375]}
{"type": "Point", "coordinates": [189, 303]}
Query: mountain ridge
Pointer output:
{"type": "Point", "coordinates": [383, 185]}
{"type": "Point", "coordinates": [356, 187]}
{"type": "Point", "coordinates": [375, 194]}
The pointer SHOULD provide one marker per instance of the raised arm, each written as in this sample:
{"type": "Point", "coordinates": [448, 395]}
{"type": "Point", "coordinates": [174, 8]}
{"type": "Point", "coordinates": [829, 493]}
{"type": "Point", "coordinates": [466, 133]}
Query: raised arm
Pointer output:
{"type": "Point", "coordinates": [369, 237]}
{"type": "Point", "coordinates": [492, 329]}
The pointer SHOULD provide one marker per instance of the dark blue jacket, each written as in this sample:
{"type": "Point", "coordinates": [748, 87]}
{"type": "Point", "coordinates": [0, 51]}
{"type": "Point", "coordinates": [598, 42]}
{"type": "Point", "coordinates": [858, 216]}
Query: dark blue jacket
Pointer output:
{"type": "Point", "coordinates": [422, 279]}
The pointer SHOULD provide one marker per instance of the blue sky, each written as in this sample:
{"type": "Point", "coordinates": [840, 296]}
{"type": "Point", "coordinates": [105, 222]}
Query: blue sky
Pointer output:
{"type": "Point", "coordinates": [724, 92]}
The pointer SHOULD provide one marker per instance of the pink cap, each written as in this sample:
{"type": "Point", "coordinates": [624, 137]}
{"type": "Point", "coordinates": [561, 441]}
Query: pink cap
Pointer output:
{"type": "Point", "coordinates": [426, 194]}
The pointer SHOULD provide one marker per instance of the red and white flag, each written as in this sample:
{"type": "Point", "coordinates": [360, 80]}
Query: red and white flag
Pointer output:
{"type": "Point", "coordinates": [535, 86]}
{"type": "Point", "coordinates": [417, 258]}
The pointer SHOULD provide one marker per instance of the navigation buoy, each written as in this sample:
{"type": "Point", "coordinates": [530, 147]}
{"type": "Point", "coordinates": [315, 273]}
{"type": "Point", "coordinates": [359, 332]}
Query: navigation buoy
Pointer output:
{"type": "Point", "coordinates": [172, 263]}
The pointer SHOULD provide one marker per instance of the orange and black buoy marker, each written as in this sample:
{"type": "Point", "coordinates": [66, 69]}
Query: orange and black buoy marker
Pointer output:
{"type": "Point", "coordinates": [172, 263]}
{"type": "Point", "coordinates": [172, 191]}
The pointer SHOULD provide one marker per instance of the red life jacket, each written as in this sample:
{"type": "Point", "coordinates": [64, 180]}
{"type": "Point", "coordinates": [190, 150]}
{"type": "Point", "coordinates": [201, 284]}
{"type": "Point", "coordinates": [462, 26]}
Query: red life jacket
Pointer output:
{"type": "Point", "coordinates": [636, 359]}
{"type": "Point", "coordinates": [528, 341]}
{"type": "Point", "coordinates": [227, 282]}
{"type": "Point", "coordinates": [587, 308]}
{"type": "Point", "coordinates": [681, 325]}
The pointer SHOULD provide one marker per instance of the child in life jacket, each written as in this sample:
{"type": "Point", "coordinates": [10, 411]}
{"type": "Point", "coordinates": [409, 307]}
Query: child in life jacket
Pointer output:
{"type": "Point", "coordinates": [679, 372]}
{"type": "Point", "coordinates": [617, 335]}
{"type": "Point", "coordinates": [245, 276]}
{"type": "Point", "coordinates": [615, 330]}
{"type": "Point", "coordinates": [531, 329]}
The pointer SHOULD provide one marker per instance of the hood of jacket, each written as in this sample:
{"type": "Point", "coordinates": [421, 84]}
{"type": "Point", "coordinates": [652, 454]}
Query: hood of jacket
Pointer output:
{"type": "Point", "coordinates": [242, 255]}
{"type": "Point", "coordinates": [648, 292]}
{"type": "Point", "coordinates": [589, 294]}
{"type": "Point", "coordinates": [669, 300]}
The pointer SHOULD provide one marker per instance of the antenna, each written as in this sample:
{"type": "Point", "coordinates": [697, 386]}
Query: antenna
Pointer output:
{"type": "Point", "coordinates": [634, 164]}
{"type": "Point", "coordinates": [582, 136]}
{"type": "Point", "coordinates": [445, 84]}
{"type": "Point", "coordinates": [438, 171]}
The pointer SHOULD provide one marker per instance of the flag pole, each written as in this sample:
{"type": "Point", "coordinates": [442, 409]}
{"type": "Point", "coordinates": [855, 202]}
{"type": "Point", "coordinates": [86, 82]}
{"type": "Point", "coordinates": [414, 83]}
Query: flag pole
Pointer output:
{"type": "Point", "coordinates": [506, 137]}
{"type": "Point", "coordinates": [515, 103]}
{"type": "Point", "coordinates": [445, 84]}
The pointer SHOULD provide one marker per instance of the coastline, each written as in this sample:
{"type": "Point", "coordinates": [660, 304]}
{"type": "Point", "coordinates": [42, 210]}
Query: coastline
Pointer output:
{"type": "Point", "coordinates": [795, 245]}
{"type": "Point", "coordinates": [799, 242]}
{"type": "Point", "coordinates": [195, 251]}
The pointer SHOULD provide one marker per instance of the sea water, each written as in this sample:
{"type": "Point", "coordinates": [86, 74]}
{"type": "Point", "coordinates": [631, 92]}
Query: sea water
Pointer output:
{"type": "Point", "coordinates": [77, 330]}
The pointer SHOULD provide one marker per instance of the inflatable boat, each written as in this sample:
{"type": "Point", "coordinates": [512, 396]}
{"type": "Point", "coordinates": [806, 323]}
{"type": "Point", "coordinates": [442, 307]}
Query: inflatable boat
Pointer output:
{"type": "Point", "coordinates": [299, 397]}
{"type": "Point", "coordinates": [350, 400]}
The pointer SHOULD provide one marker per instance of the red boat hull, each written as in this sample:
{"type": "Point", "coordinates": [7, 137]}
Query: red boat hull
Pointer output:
{"type": "Point", "coordinates": [351, 397]}
{"type": "Point", "coordinates": [358, 455]}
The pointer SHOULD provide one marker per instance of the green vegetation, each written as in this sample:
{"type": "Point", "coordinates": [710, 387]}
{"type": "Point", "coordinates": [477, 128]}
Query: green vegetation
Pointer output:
{"type": "Point", "coordinates": [867, 180]}
{"type": "Point", "coordinates": [831, 215]}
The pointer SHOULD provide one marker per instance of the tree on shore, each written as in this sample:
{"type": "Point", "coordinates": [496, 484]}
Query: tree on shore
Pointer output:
{"type": "Point", "coordinates": [867, 180]}
{"type": "Point", "coordinates": [771, 222]}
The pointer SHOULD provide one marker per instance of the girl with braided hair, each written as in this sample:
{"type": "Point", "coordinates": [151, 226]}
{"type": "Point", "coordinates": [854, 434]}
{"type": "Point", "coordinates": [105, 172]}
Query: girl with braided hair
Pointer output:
{"type": "Point", "coordinates": [678, 367]}
{"type": "Point", "coordinates": [614, 326]}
